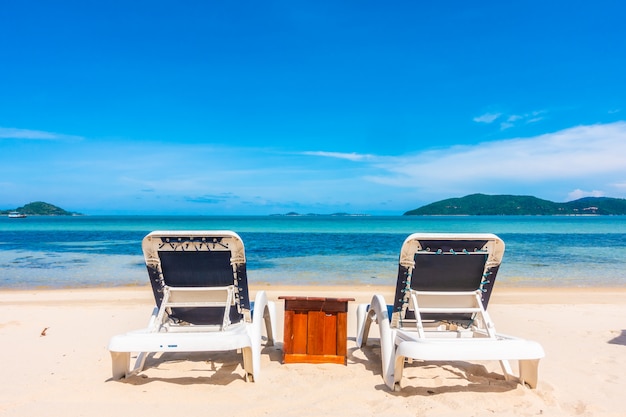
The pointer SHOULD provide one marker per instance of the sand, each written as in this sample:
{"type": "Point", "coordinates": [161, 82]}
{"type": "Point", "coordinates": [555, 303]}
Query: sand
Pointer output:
{"type": "Point", "coordinates": [54, 362]}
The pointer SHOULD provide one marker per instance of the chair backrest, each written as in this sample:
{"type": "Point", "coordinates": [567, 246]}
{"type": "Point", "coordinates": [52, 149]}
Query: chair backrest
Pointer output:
{"type": "Point", "coordinates": [198, 259]}
{"type": "Point", "coordinates": [448, 263]}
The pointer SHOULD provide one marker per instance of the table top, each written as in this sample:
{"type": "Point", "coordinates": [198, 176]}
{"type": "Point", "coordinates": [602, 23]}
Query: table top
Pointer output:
{"type": "Point", "coordinates": [301, 298]}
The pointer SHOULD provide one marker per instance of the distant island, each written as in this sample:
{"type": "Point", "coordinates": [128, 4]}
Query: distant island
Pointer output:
{"type": "Point", "coordinates": [470, 205]}
{"type": "Point", "coordinates": [39, 208]}
{"type": "Point", "coordinates": [501, 205]}
{"type": "Point", "coordinates": [295, 214]}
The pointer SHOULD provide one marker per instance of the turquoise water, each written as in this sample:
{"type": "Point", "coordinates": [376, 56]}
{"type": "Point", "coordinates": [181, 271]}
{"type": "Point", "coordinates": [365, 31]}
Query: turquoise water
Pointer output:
{"type": "Point", "coordinates": [86, 251]}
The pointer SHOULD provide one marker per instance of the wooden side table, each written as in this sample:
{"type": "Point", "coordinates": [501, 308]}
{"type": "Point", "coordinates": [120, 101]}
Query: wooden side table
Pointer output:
{"type": "Point", "coordinates": [316, 329]}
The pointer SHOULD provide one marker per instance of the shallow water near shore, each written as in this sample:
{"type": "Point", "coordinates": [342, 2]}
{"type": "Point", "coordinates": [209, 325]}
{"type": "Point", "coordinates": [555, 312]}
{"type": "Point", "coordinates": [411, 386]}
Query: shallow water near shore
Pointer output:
{"type": "Point", "coordinates": [103, 251]}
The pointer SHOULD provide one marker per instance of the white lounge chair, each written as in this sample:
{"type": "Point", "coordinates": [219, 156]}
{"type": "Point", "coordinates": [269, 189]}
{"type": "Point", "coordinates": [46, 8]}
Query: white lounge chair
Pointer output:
{"type": "Point", "coordinates": [439, 309]}
{"type": "Point", "coordinates": [200, 286]}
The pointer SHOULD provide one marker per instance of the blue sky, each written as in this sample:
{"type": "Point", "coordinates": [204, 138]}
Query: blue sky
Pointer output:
{"type": "Point", "coordinates": [263, 107]}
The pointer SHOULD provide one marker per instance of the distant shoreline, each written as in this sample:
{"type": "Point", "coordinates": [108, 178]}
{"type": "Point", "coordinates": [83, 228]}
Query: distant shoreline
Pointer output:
{"type": "Point", "coordinates": [318, 215]}
{"type": "Point", "coordinates": [501, 285]}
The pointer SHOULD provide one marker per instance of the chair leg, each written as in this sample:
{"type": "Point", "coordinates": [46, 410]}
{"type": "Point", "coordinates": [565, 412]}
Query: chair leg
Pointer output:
{"type": "Point", "coordinates": [270, 324]}
{"type": "Point", "coordinates": [507, 370]}
{"type": "Point", "coordinates": [393, 381]}
{"type": "Point", "coordinates": [363, 322]}
{"type": "Point", "coordinates": [529, 372]}
{"type": "Point", "coordinates": [140, 362]}
{"type": "Point", "coordinates": [120, 362]}
{"type": "Point", "coordinates": [251, 362]}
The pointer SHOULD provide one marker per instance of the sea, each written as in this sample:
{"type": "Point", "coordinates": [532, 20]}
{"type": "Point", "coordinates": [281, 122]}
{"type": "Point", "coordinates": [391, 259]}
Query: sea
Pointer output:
{"type": "Point", "coordinates": [50, 252]}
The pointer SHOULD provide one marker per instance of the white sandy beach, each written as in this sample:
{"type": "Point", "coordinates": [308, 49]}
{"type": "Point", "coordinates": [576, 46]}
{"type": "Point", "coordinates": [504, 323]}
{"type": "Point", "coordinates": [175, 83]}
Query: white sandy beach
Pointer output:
{"type": "Point", "coordinates": [66, 371]}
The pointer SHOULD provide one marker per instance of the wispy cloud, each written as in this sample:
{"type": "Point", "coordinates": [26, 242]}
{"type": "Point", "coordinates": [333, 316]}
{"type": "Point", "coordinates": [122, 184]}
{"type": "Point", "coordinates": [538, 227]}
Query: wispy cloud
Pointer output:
{"type": "Point", "coordinates": [13, 133]}
{"type": "Point", "coordinates": [211, 199]}
{"type": "Point", "coordinates": [339, 155]}
{"type": "Point", "coordinates": [578, 193]}
{"type": "Point", "coordinates": [572, 163]}
{"type": "Point", "coordinates": [584, 153]}
{"type": "Point", "coordinates": [508, 121]}
{"type": "Point", "coordinates": [526, 118]}
{"type": "Point", "coordinates": [487, 118]}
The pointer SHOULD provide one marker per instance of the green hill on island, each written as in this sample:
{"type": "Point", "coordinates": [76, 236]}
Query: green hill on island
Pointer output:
{"type": "Point", "coordinates": [482, 204]}
{"type": "Point", "coordinates": [39, 208]}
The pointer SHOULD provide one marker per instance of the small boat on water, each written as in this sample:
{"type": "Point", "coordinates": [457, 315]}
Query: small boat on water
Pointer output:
{"type": "Point", "coordinates": [16, 215]}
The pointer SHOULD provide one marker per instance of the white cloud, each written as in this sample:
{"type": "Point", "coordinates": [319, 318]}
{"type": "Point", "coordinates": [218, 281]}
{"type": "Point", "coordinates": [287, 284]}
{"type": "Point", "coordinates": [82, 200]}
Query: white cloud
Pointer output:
{"type": "Point", "coordinates": [527, 118]}
{"type": "Point", "coordinates": [578, 193]}
{"type": "Point", "coordinates": [585, 153]}
{"type": "Point", "coordinates": [339, 155]}
{"type": "Point", "coordinates": [487, 118]}
{"type": "Point", "coordinates": [534, 117]}
{"type": "Point", "coordinates": [12, 133]}
{"type": "Point", "coordinates": [171, 178]}
{"type": "Point", "coordinates": [509, 121]}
